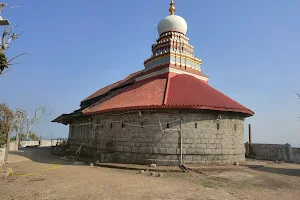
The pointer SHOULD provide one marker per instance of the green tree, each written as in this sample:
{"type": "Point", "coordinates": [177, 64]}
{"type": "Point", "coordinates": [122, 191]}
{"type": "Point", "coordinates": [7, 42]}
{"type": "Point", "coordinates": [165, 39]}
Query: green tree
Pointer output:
{"type": "Point", "coordinates": [6, 122]}
{"type": "Point", "coordinates": [33, 136]}
{"type": "Point", "coordinates": [22, 136]}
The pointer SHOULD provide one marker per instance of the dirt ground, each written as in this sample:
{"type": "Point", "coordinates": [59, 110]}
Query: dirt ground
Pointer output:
{"type": "Point", "coordinates": [44, 180]}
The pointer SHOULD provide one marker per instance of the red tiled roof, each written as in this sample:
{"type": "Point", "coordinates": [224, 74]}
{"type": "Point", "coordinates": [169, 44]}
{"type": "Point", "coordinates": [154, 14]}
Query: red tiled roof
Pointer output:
{"type": "Point", "coordinates": [102, 91]}
{"type": "Point", "coordinates": [188, 91]}
{"type": "Point", "coordinates": [140, 94]}
{"type": "Point", "coordinates": [179, 91]}
{"type": "Point", "coordinates": [106, 89]}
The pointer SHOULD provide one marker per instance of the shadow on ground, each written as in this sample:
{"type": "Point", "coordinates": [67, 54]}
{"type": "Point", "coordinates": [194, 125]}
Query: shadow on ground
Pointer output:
{"type": "Point", "coordinates": [283, 171]}
{"type": "Point", "coordinates": [44, 155]}
{"type": "Point", "coordinates": [40, 155]}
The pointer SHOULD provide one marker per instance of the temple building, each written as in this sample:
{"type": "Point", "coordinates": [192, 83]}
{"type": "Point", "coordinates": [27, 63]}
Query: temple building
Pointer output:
{"type": "Point", "coordinates": [166, 113]}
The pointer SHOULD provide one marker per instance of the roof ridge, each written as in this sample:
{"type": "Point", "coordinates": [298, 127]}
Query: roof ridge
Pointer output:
{"type": "Point", "coordinates": [113, 85]}
{"type": "Point", "coordinates": [166, 90]}
{"type": "Point", "coordinates": [227, 96]}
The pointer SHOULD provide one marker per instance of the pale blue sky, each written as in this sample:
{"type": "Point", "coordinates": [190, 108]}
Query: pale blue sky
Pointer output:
{"type": "Point", "coordinates": [250, 49]}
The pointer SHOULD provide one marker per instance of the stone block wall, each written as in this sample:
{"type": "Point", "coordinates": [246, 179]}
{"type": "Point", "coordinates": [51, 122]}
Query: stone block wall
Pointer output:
{"type": "Point", "coordinates": [155, 137]}
{"type": "Point", "coordinates": [268, 151]}
{"type": "Point", "coordinates": [296, 155]}
{"type": "Point", "coordinates": [13, 146]}
{"type": "Point", "coordinates": [48, 143]}
{"type": "Point", "coordinates": [44, 143]}
{"type": "Point", "coordinates": [274, 152]}
{"type": "Point", "coordinates": [28, 143]}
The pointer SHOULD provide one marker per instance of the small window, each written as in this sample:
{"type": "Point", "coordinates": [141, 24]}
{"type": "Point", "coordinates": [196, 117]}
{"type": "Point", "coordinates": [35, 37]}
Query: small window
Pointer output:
{"type": "Point", "coordinates": [234, 127]}
{"type": "Point", "coordinates": [142, 124]}
{"type": "Point", "coordinates": [123, 125]}
{"type": "Point", "coordinates": [196, 125]}
{"type": "Point", "coordinates": [218, 126]}
{"type": "Point", "coordinates": [111, 125]}
{"type": "Point", "coordinates": [168, 125]}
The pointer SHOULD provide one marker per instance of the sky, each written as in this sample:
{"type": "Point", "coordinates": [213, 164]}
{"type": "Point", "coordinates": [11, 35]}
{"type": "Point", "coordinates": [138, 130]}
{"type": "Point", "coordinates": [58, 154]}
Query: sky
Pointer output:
{"type": "Point", "coordinates": [250, 50]}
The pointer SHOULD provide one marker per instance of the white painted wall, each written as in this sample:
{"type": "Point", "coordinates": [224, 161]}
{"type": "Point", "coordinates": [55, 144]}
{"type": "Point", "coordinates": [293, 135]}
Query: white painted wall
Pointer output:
{"type": "Point", "coordinates": [2, 155]}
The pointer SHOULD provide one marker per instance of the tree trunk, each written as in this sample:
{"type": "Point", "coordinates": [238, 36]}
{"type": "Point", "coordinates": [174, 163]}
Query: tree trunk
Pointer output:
{"type": "Point", "coordinates": [17, 139]}
{"type": "Point", "coordinates": [7, 144]}
{"type": "Point", "coordinates": [27, 135]}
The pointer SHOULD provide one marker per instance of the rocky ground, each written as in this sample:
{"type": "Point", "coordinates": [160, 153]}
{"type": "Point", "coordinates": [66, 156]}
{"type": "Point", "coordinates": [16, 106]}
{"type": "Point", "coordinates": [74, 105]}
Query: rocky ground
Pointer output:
{"type": "Point", "coordinates": [47, 176]}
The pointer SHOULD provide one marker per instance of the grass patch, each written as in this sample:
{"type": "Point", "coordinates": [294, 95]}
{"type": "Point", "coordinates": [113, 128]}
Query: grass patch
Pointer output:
{"type": "Point", "coordinates": [207, 184]}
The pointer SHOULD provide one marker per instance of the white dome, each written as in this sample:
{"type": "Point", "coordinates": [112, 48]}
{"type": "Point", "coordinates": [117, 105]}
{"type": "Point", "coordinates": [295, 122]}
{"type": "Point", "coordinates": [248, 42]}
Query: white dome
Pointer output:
{"type": "Point", "coordinates": [172, 23]}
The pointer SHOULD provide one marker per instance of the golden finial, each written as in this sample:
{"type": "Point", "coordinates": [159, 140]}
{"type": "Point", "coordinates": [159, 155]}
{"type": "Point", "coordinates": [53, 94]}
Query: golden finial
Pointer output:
{"type": "Point", "coordinates": [172, 8]}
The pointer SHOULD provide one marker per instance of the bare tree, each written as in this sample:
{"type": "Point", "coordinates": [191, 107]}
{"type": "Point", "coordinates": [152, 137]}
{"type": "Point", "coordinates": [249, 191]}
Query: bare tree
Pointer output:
{"type": "Point", "coordinates": [18, 125]}
{"type": "Point", "coordinates": [8, 32]}
{"type": "Point", "coordinates": [39, 116]}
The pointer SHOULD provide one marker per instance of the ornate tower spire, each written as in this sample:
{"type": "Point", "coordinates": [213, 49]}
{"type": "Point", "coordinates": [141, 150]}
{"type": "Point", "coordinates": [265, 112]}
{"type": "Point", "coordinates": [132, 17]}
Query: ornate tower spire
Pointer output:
{"type": "Point", "coordinates": [172, 51]}
{"type": "Point", "coordinates": [172, 8]}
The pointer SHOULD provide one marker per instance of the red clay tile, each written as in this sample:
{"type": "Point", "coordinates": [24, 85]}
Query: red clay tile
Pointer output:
{"type": "Point", "coordinates": [185, 90]}
{"type": "Point", "coordinates": [181, 91]}
{"type": "Point", "coordinates": [106, 89]}
{"type": "Point", "coordinates": [142, 93]}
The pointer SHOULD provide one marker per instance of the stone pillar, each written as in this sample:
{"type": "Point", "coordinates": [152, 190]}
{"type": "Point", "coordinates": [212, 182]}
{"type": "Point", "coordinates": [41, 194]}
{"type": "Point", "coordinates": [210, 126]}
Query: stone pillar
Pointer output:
{"type": "Point", "coordinates": [250, 141]}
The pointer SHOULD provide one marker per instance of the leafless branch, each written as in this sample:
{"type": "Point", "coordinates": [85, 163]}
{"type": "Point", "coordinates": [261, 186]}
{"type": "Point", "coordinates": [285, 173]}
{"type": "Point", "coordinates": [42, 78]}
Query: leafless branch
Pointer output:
{"type": "Point", "coordinates": [21, 33]}
{"type": "Point", "coordinates": [2, 5]}
{"type": "Point", "coordinates": [15, 7]}
{"type": "Point", "coordinates": [4, 34]}
{"type": "Point", "coordinates": [11, 33]}
{"type": "Point", "coordinates": [8, 63]}
{"type": "Point", "coordinates": [39, 115]}
{"type": "Point", "coordinates": [11, 38]}
{"type": "Point", "coordinates": [13, 63]}
{"type": "Point", "coordinates": [12, 29]}
{"type": "Point", "coordinates": [17, 56]}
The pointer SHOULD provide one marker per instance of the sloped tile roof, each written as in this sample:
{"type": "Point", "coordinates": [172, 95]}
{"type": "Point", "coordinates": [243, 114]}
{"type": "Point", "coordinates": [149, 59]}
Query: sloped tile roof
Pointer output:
{"type": "Point", "coordinates": [188, 91]}
{"type": "Point", "coordinates": [140, 94]}
{"type": "Point", "coordinates": [179, 91]}
{"type": "Point", "coordinates": [102, 91]}
{"type": "Point", "coordinates": [106, 89]}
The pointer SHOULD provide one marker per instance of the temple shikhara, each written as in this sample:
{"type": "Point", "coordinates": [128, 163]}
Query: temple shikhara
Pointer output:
{"type": "Point", "coordinates": [166, 113]}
